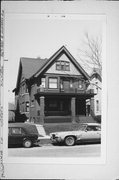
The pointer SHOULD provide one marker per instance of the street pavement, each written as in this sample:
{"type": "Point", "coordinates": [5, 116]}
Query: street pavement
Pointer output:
{"type": "Point", "coordinates": [48, 150]}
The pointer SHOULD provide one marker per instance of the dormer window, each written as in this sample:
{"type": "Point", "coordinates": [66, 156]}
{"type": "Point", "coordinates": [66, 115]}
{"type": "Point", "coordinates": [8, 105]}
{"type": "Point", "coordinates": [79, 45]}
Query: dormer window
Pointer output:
{"type": "Point", "coordinates": [63, 65]}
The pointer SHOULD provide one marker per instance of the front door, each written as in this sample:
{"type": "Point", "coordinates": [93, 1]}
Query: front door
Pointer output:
{"type": "Point", "coordinates": [80, 107]}
{"type": "Point", "coordinates": [66, 85]}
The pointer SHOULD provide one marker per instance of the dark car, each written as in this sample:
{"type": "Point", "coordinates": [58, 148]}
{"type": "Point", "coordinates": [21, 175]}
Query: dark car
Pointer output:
{"type": "Point", "coordinates": [24, 134]}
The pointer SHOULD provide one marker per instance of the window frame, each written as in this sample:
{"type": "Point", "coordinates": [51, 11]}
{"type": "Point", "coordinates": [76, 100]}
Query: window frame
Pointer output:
{"type": "Point", "coordinates": [27, 106]}
{"type": "Point", "coordinates": [81, 83]}
{"type": "Point", "coordinates": [43, 82]}
{"type": "Point", "coordinates": [22, 132]}
{"type": "Point", "coordinates": [49, 83]}
{"type": "Point", "coordinates": [63, 65]}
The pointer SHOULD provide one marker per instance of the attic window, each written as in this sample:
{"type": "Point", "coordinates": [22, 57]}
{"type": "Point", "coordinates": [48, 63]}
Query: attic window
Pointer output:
{"type": "Point", "coordinates": [63, 66]}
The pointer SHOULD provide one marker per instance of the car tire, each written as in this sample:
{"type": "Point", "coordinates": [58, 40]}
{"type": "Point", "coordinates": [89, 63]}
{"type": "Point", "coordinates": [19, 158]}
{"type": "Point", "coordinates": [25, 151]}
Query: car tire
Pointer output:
{"type": "Point", "coordinates": [69, 140]}
{"type": "Point", "coordinates": [27, 143]}
{"type": "Point", "coordinates": [55, 144]}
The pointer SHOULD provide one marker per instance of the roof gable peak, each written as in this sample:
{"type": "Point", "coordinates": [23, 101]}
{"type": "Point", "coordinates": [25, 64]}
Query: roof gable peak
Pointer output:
{"type": "Point", "coordinates": [53, 58]}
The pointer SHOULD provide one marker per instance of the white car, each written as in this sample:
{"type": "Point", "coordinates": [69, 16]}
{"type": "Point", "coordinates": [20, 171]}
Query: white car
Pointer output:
{"type": "Point", "coordinates": [88, 132]}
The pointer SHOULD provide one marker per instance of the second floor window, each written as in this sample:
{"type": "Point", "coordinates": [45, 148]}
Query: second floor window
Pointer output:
{"type": "Point", "coordinates": [43, 82]}
{"type": "Point", "coordinates": [80, 86]}
{"type": "Point", "coordinates": [63, 66]}
{"type": "Point", "coordinates": [71, 83]}
{"type": "Point", "coordinates": [27, 106]}
{"type": "Point", "coordinates": [53, 83]}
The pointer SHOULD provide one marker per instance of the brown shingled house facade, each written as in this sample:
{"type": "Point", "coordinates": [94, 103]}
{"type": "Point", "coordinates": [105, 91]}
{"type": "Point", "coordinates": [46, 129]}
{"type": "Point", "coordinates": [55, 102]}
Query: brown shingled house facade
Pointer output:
{"type": "Point", "coordinates": [53, 90]}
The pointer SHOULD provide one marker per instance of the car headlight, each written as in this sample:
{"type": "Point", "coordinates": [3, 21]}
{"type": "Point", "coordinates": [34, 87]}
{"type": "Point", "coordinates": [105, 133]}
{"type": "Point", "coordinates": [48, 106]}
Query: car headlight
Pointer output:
{"type": "Point", "coordinates": [54, 135]}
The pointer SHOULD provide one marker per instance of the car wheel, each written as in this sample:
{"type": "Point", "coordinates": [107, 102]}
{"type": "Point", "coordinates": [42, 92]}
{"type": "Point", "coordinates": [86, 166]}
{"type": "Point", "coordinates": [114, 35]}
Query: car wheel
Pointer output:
{"type": "Point", "coordinates": [70, 140]}
{"type": "Point", "coordinates": [27, 143]}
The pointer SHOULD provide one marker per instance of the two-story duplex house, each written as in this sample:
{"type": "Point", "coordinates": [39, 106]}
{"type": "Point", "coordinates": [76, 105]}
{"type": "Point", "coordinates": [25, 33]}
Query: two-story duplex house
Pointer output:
{"type": "Point", "coordinates": [53, 90]}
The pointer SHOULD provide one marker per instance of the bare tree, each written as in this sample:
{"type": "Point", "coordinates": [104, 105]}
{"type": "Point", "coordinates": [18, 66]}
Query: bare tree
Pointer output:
{"type": "Point", "coordinates": [90, 54]}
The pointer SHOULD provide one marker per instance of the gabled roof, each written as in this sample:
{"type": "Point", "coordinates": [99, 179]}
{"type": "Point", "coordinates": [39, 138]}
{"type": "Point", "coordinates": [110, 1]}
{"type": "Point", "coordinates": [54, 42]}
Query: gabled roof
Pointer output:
{"type": "Point", "coordinates": [96, 73]}
{"type": "Point", "coordinates": [33, 67]}
{"type": "Point", "coordinates": [28, 67]}
{"type": "Point", "coordinates": [63, 49]}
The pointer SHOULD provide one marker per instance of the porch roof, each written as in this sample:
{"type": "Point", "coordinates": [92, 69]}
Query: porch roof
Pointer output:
{"type": "Point", "coordinates": [85, 95]}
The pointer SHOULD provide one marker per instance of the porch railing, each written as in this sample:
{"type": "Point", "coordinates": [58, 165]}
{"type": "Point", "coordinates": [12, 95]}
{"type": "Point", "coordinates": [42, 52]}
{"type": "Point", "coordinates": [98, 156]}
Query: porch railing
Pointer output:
{"type": "Point", "coordinates": [68, 90]}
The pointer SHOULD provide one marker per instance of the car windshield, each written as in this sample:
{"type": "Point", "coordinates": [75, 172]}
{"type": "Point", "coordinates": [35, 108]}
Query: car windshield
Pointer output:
{"type": "Point", "coordinates": [93, 128]}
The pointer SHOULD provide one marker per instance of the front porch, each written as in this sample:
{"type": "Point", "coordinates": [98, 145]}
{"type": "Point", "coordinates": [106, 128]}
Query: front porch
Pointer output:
{"type": "Point", "coordinates": [70, 108]}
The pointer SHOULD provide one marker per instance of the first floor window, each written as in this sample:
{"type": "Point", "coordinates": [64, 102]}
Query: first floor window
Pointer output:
{"type": "Point", "coordinates": [53, 83]}
{"type": "Point", "coordinates": [53, 104]}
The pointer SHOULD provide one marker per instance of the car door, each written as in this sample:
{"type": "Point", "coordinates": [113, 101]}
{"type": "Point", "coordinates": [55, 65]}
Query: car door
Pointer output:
{"type": "Point", "coordinates": [16, 135]}
{"type": "Point", "coordinates": [90, 134]}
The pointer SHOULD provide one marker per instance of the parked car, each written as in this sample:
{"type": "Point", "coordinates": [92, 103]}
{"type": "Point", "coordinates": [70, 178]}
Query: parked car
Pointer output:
{"type": "Point", "coordinates": [89, 132]}
{"type": "Point", "coordinates": [22, 134]}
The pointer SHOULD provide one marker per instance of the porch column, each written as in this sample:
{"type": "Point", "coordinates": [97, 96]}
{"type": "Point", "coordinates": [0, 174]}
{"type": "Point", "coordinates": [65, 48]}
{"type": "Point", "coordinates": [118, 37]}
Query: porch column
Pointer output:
{"type": "Point", "coordinates": [42, 105]}
{"type": "Point", "coordinates": [92, 106]}
{"type": "Point", "coordinates": [73, 109]}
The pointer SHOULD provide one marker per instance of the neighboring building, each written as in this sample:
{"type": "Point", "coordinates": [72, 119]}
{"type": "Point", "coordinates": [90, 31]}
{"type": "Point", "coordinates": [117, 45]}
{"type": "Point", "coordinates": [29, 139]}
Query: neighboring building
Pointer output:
{"type": "Point", "coordinates": [96, 85]}
{"type": "Point", "coordinates": [52, 90]}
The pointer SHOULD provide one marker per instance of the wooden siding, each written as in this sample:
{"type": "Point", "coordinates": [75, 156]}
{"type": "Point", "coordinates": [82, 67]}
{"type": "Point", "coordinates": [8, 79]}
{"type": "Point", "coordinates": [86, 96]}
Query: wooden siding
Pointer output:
{"type": "Point", "coordinates": [73, 69]}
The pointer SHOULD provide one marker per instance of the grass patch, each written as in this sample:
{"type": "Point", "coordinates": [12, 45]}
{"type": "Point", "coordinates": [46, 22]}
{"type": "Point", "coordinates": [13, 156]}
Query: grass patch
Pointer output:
{"type": "Point", "coordinates": [49, 128]}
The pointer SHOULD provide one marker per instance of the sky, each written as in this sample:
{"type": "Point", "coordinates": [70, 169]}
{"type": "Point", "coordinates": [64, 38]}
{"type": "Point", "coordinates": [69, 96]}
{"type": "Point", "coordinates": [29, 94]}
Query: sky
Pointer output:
{"type": "Point", "coordinates": [36, 36]}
